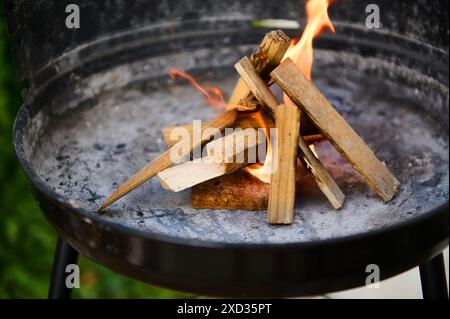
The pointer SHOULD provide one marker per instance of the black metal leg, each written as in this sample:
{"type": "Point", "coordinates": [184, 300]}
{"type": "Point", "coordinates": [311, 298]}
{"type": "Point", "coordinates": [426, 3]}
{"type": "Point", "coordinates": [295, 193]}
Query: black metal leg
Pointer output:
{"type": "Point", "coordinates": [64, 255]}
{"type": "Point", "coordinates": [433, 278]}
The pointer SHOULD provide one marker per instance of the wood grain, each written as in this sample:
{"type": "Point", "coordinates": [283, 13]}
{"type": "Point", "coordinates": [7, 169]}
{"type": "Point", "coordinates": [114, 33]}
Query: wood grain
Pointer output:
{"type": "Point", "coordinates": [284, 166]}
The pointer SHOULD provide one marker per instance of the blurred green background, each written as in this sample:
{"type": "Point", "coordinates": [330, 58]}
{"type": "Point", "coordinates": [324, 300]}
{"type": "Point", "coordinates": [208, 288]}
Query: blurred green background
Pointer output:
{"type": "Point", "coordinates": [27, 242]}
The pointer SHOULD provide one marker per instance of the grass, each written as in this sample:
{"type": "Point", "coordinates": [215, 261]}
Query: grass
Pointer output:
{"type": "Point", "coordinates": [27, 242]}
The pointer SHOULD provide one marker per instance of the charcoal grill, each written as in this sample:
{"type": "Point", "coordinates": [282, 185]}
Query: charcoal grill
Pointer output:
{"type": "Point", "coordinates": [87, 123]}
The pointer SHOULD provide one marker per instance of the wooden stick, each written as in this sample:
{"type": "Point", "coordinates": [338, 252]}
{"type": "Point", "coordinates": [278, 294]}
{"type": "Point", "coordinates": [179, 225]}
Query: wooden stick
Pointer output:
{"type": "Point", "coordinates": [333, 126]}
{"type": "Point", "coordinates": [186, 175]}
{"type": "Point", "coordinates": [320, 175]}
{"type": "Point", "coordinates": [257, 86]}
{"type": "Point", "coordinates": [271, 51]}
{"type": "Point", "coordinates": [284, 166]}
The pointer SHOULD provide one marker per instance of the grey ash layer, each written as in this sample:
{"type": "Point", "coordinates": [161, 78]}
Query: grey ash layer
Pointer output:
{"type": "Point", "coordinates": [85, 153]}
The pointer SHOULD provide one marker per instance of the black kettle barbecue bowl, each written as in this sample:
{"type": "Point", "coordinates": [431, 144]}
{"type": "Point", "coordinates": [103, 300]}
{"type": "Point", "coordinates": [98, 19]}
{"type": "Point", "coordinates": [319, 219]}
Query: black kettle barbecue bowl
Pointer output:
{"type": "Point", "coordinates": [97, 101]}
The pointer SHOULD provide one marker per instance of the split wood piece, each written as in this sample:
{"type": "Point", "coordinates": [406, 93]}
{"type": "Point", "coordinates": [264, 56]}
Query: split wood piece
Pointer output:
{"type": "Point", "coordinates": [237, 147]}
{"type": "Point", "coordinates": [236, 191]}
{"type": "Point", "coordinates": [284, 166]}
{"type": "Point", "coordinates": [271, 51]}
{"type": "Point", "coordinates": [257, 86]}
{"type": "Point", "coordinates": [169, 157]}
{"type": "Point", "coordinates": [272, 48]}
{"type": "Point", "coordinates": [333, 126]}
{"type": "Point", "coordinates": [320, 175]}
{"type": "Point", "coordinates": [186, 175]}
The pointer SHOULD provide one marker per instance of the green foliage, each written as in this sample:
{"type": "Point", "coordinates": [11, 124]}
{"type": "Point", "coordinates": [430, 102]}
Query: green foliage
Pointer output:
{"type": "Point", "coordinates": [27, 241]}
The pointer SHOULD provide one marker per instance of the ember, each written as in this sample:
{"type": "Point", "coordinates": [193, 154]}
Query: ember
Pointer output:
{"type": "Point", "coordinates": [244, 128]}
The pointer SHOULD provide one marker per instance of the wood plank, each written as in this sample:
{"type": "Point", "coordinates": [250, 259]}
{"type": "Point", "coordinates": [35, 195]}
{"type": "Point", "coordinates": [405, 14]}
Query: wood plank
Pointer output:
{"type": "Point", "coordinates": [333, 126]}
{"type": "Point", "coordinates": [284, 166]}
{"type": "Point", "coordinates": [186, 175]}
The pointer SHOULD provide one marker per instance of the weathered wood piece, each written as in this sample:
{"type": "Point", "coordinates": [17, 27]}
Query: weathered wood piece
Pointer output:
{"type": "Point", "coordinates": [186, 175]}
{"type": "Point", "coordinates": [284, 166]}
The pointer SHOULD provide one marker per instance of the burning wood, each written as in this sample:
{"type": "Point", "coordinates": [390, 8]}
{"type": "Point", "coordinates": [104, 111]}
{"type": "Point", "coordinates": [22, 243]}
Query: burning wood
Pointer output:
{"type": "Point", "coordinates": [266, 97]}
{"type": "Point", "coordinates": [186, 175]}
{"type": "Point", "coordinates": [226, 155]}
{"type": "Point", "coordinates": [271, 51]}
{"type": "Point", "coordinates": [223, 179]}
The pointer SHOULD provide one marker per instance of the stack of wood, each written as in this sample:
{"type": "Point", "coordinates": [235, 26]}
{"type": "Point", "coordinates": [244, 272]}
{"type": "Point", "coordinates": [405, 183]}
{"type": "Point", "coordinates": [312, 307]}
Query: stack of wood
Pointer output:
{"type": "Point", "coordinates": [220, 183]}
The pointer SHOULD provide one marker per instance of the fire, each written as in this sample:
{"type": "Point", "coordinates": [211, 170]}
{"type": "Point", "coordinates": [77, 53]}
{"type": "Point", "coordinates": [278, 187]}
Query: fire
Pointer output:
{"type": "Point", "coordinates": [301, 52]}
{"type": "Point", "coordinates": [213, 95]}
{"type": "Point", "coordinates": [259, 170]}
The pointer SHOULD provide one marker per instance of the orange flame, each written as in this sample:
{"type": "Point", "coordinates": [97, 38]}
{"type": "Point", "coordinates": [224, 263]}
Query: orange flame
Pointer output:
{"type": "Point", "coordinates": [213, 95]}
{"type": "Point", "coordinates": [259, 170]}
{"type": "Point", "coordinates": [301, 52]}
